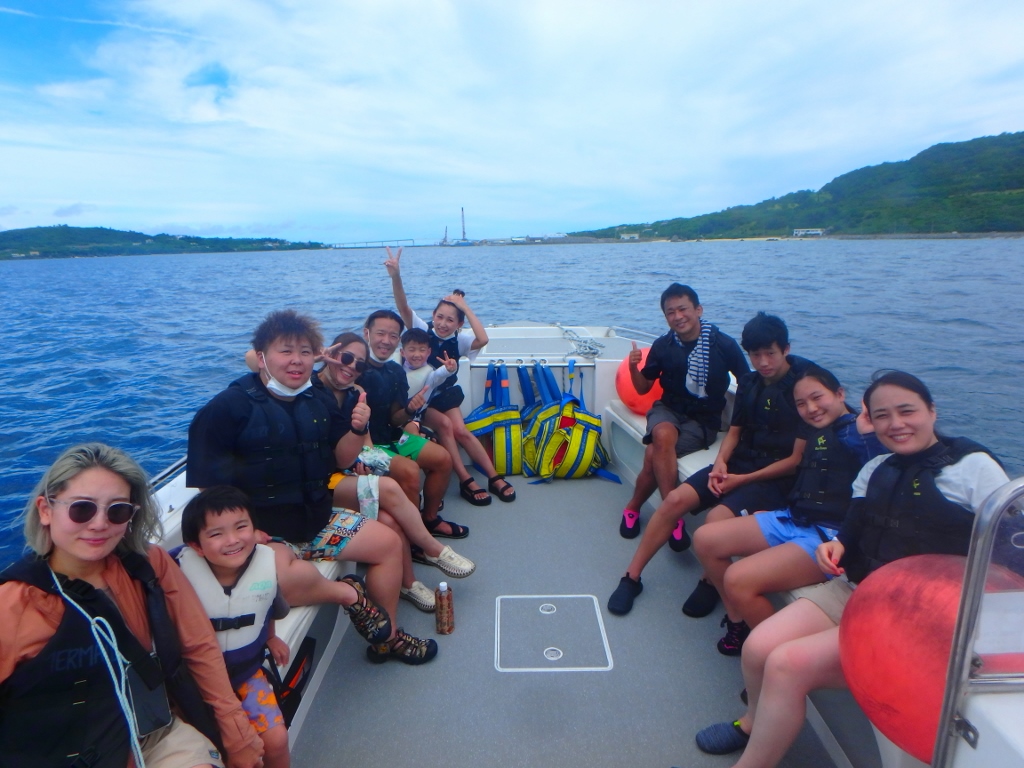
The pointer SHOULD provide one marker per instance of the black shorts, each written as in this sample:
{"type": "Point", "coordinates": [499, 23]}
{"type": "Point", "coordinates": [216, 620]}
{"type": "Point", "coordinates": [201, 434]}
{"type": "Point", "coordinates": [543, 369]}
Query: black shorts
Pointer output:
{"type": "Point", "coordinates": [446, 399]}
{"type": "Point", "coordinates": [747, 499]}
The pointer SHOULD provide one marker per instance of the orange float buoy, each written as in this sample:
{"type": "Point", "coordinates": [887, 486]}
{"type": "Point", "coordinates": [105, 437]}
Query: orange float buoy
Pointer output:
{"type": "Point", "coordinates": [637, 403]}
{"type": "Point", "coordinates": [895, 639]}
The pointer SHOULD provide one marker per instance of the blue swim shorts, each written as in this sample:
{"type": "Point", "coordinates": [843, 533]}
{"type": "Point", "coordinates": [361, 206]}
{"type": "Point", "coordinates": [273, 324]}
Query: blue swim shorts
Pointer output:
{"type": "Point", "coordinates": [778, 528]}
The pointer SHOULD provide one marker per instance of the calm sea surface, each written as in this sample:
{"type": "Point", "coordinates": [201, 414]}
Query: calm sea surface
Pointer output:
{"type": "Point", "coordinates": [124, 350]}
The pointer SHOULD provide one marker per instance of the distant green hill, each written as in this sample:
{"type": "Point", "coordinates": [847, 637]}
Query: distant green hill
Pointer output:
{"type": "Point", "coordinates": [63, 241]}
{"type": "Point", "coordinates": [969, 186]}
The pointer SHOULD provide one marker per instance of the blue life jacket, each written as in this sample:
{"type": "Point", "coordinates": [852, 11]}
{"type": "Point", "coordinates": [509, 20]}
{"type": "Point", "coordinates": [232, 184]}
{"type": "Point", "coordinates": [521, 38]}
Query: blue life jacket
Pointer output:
{"type": "Point", "coordinates": [824, 482]}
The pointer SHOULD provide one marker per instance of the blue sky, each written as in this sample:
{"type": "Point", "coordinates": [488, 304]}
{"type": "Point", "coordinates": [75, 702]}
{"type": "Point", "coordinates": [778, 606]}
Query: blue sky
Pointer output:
{"type": "Point", "coordinates": [342, 121]}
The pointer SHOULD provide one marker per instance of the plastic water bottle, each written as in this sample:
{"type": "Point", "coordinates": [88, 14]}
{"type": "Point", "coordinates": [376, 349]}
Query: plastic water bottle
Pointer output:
{"type": "Point", "coordinates": [444, 611]}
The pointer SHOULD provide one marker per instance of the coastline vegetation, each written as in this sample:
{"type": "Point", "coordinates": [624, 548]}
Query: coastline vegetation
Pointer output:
{"type": "Point", "coordinates": [62, 241]}
{"type": "Point", "coordinates": [967, 187]}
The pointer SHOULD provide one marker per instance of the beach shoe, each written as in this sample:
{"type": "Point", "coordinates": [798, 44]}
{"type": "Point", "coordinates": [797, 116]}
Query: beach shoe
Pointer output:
{"type": "Point", "coordinates": [420, 595]}
{"type": "Point", "coordinates": [406, 648]}
{"type": "Point", "coordinates": [722, 738]}
{"type": "Point", "coordinates": [621, 601]}
{"type": "Point", "coordinates": [679, 541]}
{"type": "Point", "coordinates": [371, 621]}
{"type": "Point", "coordinates": [450, 562]}
{"type": "Point", "coordinates": [702, 600]}
{"type": "Point", "coordinates": [629, 525]}
{"type": "Point", "coordinates": [736, 632]}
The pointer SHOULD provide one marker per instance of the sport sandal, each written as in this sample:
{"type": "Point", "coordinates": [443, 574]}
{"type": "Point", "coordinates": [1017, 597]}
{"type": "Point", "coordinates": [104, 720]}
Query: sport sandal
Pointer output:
{"type": "Point", "coordinates": [370, 620]}
{"type": "Point", "coordinates": [457, 531]}
{"type": "Point", "coordinates": [406, 648]}
{"type": "Point", "coordinates": [451, 563]}
{"type": "Point", "coordinates": [506, 493]}
{"type": "Point", "coordinates": [473, 496]}
{"type": "Point", "coordinates": [629, 526]}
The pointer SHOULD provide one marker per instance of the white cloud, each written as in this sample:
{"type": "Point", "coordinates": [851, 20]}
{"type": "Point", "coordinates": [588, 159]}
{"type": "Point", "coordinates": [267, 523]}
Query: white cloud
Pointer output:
{"type": "Point", "coordinates": [356, 120]}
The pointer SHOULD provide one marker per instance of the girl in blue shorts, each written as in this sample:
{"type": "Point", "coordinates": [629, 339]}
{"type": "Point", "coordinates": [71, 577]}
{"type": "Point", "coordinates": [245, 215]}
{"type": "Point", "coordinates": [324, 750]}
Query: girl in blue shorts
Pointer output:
{"type": "Point", "coordinates": [778, 546]}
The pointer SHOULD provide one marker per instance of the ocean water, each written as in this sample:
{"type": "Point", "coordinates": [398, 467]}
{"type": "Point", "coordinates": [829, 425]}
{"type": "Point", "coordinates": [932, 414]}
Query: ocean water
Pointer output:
{"type": "Point", "coordinates": [124, 350]}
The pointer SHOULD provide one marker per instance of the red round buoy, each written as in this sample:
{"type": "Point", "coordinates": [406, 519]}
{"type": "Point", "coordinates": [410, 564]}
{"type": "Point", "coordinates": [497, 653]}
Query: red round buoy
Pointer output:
{"type": "Point", "coordinates": [640, 404]}
{"type": "Point", "coordinates": [895, 639]}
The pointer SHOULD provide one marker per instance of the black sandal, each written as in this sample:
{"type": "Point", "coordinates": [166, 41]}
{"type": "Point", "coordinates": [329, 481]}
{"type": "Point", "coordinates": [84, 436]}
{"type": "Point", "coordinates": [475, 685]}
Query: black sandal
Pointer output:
{"type": "Point", "coordinates": [458, 531]}
{"type": "Point", "coordinates": [502, 494]}
{"type": "Point", "coordinates": [471, 496]}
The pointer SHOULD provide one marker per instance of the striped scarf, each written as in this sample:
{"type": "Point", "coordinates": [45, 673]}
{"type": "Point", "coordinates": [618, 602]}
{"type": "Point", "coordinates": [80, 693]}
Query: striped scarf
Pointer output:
{"type": "Point", "coordinates": [698, 362]}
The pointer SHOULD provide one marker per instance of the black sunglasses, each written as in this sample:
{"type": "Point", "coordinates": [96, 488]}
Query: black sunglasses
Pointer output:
{"type": "Point", "coordinates": [83, 510]}
{"type": "Point", "coordinates": [347, 358]}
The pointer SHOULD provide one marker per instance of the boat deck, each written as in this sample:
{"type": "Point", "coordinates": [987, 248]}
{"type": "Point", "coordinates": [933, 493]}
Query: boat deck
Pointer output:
{"type": "Point", "coordinates": [666, 679]}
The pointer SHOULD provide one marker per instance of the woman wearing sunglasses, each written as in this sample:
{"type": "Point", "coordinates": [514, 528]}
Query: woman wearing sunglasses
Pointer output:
{"type": "Point", "coordinates": [80, 619]}
{"type": "Point", "coordinates": [344, 361]}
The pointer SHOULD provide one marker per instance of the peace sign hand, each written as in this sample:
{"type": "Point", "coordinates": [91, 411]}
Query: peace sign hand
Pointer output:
{"type": "Point", "coordinates": [391, 262]}
{"type": "Point", "coordinates": [450, 365]}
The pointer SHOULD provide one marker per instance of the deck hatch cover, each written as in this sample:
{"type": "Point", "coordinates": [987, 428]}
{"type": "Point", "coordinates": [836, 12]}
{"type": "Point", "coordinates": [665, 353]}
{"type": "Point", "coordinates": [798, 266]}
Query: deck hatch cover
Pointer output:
{"type": "Point", "coordinates": [550, 633]}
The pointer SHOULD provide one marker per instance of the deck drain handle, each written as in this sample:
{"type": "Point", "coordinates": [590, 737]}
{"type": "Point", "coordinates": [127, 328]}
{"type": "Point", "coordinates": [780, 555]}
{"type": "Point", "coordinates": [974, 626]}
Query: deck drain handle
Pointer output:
{"type": "Point", "coordinates": [547, 608]}
{"type": "Point", "coordinates": [552, 654]}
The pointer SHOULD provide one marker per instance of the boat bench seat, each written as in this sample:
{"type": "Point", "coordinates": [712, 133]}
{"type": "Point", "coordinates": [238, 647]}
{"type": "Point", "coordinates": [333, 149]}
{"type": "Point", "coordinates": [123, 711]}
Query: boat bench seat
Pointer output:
{"type": "Point", "coordinates": [622, 435]}
{"type": "Point", "coordinates": [295, 626]}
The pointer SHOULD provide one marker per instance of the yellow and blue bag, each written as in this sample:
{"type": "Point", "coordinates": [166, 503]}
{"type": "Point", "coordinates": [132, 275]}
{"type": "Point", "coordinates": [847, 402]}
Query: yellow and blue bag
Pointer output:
{"type": "Point", "coordinates": [497, 417]}
{"type": "Point", "coordinates": [563, 439]}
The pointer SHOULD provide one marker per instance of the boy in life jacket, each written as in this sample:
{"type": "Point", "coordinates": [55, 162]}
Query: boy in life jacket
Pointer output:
{"type": "Point", "coordinates": [236, 581]}
{"type": "Point", "coordinates": [423, 378]}
{"type": "Point", "coordinates": [755, 467]}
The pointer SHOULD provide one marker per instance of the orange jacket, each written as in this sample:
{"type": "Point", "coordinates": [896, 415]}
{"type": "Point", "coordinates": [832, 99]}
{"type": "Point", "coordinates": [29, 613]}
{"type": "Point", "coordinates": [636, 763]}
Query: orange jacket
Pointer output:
{"type": "Point", "coordinates": [29, 617]}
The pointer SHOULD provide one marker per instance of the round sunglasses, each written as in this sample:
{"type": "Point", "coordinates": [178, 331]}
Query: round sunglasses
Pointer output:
{"type": "Point", "coordinates": [347, 358]}
{"type": "Point", "coordinates": [83, 510]}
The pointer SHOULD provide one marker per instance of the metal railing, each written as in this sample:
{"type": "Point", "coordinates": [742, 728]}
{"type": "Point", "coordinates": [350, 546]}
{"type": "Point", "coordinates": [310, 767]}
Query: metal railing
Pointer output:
{"type": "Point", "coordinates": [963, 663]}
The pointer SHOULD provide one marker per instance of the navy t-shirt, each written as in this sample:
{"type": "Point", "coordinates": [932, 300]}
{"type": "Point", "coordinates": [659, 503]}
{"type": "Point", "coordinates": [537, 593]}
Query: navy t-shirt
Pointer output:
{"type": "Point", "coordinates": [668, 361]}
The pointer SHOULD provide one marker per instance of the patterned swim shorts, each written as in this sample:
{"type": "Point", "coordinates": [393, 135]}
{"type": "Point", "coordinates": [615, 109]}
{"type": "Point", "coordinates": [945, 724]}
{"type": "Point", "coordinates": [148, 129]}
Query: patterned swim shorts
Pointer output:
{"type": "Point", "coordinates": [259, 702]}
{"type": "Point", "coordinates": [327, 544]}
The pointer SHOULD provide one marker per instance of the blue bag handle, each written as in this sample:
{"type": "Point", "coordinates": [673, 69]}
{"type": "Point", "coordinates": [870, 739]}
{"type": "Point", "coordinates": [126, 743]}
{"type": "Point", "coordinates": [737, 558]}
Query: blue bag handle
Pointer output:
{"type": "Point", "coordinates": [489, 386]}
{"type": "Point", "coordinates": [526, 387]}
{"type": "Point", "coordinates": [501, 396]}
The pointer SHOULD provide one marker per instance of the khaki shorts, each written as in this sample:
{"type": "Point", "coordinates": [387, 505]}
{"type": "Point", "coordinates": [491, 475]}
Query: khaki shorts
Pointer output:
{"type": "Point", "coordinates": [179, 745]}
{"type": "Point", "coordinates": [831, 596]}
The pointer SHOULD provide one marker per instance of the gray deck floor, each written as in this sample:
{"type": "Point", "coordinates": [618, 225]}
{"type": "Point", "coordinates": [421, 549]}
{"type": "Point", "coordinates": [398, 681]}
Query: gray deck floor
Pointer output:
{"type": "Point", "coordinates": [561, 538]}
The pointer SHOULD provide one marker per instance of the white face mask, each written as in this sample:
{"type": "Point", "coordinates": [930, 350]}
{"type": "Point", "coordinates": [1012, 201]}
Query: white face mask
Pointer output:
{"type": "Point", "coordinates": [377, 359]}
{"type": "Point", "coordinates": [278, 388]}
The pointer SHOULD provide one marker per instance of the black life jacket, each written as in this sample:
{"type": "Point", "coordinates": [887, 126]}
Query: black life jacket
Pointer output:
{"type": "Point", "coordinates": [824, 482]}
{"type": "Point", "coordinates": [286, 458]}
{"type": "Point", "coordinates": [772, 419]}
{"type": "Point", "coordinates": [384, 385]}
{"type": "Point", "coordinates": [906, 514]}
{"type": "Point", "coordinates": [438, 348]}
{"type": "Point", "coordinates": [59, 708]}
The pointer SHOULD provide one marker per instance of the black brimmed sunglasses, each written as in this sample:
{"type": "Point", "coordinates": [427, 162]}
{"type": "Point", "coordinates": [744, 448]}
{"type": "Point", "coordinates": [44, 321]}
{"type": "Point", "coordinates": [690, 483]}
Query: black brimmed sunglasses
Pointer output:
{"type": "Point", "coordinates": [347, 358]}
{"type": "Point", "coordinates": [83, 510]}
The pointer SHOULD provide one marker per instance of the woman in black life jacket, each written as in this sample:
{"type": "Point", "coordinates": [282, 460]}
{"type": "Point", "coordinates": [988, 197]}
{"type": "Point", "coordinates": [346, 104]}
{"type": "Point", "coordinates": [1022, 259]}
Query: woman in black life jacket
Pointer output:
{"type": "Point", "coordinates": [920, 498]}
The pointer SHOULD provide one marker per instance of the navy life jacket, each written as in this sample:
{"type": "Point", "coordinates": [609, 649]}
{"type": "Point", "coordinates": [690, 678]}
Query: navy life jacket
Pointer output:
{"type": "Point", "coordinates": [906, 514]}
{"type": "Point", "coordinates": [773, 421]}
{"type": "Point", "coordinates": [438, 348]}
{"type": "Point", "coordinates": [704, 410]}
{"type": "Point", "coordinates": [59, 708]}
{"type": "Point", "coordinates": [286, 459]}
{"type": "Point", "coordinates": [824, 482]}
